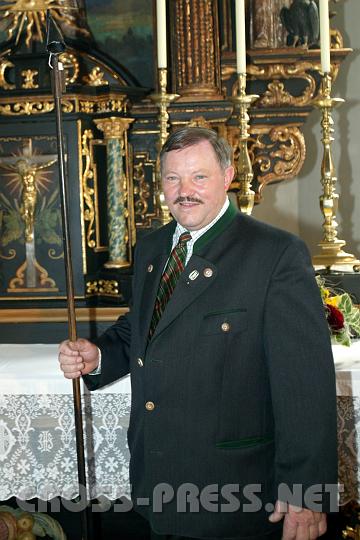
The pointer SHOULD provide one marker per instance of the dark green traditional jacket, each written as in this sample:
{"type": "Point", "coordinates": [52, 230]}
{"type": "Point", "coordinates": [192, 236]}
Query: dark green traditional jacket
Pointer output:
{"type": "Point", "coordinates": [236, 388]}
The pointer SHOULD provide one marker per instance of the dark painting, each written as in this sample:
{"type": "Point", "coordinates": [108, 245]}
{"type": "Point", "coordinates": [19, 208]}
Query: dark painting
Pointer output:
{"type": "Point", "coordinates": [124, 30]}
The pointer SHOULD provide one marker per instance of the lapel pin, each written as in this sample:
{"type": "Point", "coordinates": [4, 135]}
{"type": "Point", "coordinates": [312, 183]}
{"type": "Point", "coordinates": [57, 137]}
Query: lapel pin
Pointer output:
{"type": "Point", "coordinates": [208, 272]}
{"type": "Point", "coordinates": [193, 275]}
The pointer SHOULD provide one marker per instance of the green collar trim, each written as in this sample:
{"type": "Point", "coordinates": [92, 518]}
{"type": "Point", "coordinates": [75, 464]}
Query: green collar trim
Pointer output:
{"type": "Point", "coordinates": [216, 229]}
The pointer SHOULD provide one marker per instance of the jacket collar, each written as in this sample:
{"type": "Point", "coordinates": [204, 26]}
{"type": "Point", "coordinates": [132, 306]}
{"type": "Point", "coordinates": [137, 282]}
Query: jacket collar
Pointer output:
{"type": "Point", "coordinates": [219, 226]}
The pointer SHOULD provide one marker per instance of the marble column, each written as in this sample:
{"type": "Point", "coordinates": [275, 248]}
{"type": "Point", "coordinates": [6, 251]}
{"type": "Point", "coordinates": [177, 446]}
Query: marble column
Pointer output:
{"type": "Point", "coordinates": [119, 228]}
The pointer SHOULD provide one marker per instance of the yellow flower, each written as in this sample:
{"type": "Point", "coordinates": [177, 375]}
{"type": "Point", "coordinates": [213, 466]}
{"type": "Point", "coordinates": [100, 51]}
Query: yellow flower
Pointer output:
{"type": "Point", "coordinates": [333, 300]}
{"type": "Point", "coordinates": [326, 292]}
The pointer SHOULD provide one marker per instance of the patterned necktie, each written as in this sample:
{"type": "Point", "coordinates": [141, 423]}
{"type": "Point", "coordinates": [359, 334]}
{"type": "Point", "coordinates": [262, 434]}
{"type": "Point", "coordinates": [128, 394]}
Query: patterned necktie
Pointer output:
{"type": "Point", "coordinates": [173, 269]}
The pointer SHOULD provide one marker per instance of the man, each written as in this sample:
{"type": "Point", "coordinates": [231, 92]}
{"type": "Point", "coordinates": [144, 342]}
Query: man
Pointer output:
{"type": "Point", "coordinates": [233, 387]}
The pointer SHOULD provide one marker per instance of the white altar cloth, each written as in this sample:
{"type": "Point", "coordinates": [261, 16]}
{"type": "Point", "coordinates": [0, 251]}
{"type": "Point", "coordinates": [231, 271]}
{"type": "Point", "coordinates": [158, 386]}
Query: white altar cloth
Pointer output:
{"type": "Point", "coordinates": [347, 364]}
{"type": "Point", "coordinates": [37, 431]}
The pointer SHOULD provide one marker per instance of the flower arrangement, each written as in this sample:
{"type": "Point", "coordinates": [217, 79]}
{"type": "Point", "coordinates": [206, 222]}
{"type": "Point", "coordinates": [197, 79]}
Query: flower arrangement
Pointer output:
{"type": "Point", "coordinates": [342, 315]}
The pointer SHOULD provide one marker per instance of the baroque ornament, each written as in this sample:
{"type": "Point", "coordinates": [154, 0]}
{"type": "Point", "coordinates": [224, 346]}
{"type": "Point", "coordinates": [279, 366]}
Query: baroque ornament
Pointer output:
{"type": "Point", "coordinates": [4, 66]}
{"type": "Point", "coordinates": [276, 94]}
{"type": "Point", "coordinates": [29, 75]}
{"type": "Point", "coordinates": [88, 188]}
{"type": "Point", "coordinates": [31, 15]}
{"type": "Point", "coordinates": [141, 188]}
{"type": "Point", "coordinates": [28, 108]}
{"type": "Point", "coordinates": [103, 287]}
{"type": "Point", "coordinates": [276, 153]}
{"type": "Point", "coordinates": [280, 155]}
{"type": "Point", "coordinates": [95, 78]}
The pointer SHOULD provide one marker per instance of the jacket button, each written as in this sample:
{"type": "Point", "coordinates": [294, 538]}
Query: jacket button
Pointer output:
{"type": "Point", "coordinates": [150, 268]}
{"type": "Point", "coordinates": [149, 406]}
{"type": "Point", "coordinates": [140, 362]}
{"type": "Point", "coordinates": [208, 272]}
{"type": "Point", "coordinates": [225, 327]}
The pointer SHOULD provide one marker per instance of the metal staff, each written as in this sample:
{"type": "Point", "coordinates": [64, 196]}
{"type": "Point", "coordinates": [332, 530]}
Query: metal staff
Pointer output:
{"type": "Point", "coordinates": [55, 46]}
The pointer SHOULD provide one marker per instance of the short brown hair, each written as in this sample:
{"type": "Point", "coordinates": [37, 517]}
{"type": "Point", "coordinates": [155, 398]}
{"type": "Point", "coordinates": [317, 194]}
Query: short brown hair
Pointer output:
{"type": "Point", "coordinates": [189, 136]}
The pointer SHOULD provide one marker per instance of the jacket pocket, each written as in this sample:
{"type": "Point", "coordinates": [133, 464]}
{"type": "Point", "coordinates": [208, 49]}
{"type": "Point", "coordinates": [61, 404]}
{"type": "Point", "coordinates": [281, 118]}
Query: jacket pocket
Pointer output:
{"type": "Point", "coordinates": [224, 322]}
{"type": "Point", "coordinates": [244, 443]}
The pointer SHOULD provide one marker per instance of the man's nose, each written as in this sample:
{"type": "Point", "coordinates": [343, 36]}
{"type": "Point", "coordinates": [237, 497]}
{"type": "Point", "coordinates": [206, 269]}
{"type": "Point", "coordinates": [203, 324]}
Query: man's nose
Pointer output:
{"type": "Point", "coordinates": [186, 187]}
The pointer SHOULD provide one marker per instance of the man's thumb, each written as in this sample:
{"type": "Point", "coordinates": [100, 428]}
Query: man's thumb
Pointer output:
{"type": "Point", "coordinates": [279, 512]}
{"type": "Point", "coordinates": [82, 345]}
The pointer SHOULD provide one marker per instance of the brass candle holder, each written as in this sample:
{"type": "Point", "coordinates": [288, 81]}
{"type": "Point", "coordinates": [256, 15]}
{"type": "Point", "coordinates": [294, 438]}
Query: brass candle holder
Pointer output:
{"type": "Point", "coordinates": [162, 99]}
{"type": "Point", "coordinates": [331, 252]}
{"type": "Point", "coordinates": [242, 183]}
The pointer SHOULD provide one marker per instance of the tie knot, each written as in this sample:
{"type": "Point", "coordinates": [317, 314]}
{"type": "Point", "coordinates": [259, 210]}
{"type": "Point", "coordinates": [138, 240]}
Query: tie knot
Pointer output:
{"type": "Point", "coordinates": [184, 237]}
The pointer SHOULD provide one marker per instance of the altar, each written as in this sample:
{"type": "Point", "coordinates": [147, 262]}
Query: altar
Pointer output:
{"type": "Point", "coordinates": [37, 431]}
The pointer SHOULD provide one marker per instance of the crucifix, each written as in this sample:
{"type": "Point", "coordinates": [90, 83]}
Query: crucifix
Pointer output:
{"type": "Point", "coordinates": [24, 171]}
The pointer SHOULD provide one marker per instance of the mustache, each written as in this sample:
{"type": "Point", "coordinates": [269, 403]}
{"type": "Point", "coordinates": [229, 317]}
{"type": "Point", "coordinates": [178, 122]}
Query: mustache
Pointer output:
{"type": "Point", "coordinates": [188, 199]}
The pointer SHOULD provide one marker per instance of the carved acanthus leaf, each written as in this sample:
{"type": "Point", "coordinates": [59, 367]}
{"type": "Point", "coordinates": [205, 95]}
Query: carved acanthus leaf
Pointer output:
{"type": "Point", "coordinates": [280, 159]}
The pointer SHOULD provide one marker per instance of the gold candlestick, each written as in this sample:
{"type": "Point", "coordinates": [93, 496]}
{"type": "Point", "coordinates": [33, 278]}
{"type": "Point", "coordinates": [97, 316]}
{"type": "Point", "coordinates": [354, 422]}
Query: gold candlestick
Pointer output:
{"type": "Point", "coordinates": [242, 184]}
{"type": "Point", "coordinates": [162, 100]}
{"type": "Point", "coordinates": [331, 252]}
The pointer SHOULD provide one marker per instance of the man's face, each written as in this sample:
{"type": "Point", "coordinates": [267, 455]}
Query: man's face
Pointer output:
{"type": "Point", "coordinates": [195, 185]}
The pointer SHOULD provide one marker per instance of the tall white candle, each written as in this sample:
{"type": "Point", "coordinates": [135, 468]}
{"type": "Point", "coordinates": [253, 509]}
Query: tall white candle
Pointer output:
{"type": "Point", "coordinates": [240, 36]}
{"type": "Point", "coordinates": [161, 33]}
{"type": "Point", "coordinates": [325, 35]}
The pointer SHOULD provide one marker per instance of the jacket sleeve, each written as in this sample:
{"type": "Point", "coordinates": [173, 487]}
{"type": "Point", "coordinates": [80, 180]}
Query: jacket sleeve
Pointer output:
{"type": "Point", "coordinates": [302, 379]}
{"type": "Point", "coordinates": [114, 345]}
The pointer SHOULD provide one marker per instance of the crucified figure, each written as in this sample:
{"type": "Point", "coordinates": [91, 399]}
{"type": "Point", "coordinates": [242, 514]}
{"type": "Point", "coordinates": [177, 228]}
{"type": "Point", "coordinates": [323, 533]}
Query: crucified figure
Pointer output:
{"type": "Point", "coordinates": [28, 171]}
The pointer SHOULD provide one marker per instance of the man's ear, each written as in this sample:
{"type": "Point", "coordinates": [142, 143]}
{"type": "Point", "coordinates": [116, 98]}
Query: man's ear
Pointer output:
{"type": "Point", "coordinates": [228, 176]}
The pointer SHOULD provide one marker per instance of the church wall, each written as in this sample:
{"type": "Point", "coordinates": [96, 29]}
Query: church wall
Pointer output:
{"type": "Point", "coordinates": [280, 206]}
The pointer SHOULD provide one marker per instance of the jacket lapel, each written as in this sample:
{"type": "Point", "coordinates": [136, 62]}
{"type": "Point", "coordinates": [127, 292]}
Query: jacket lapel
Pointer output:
{"type": "Point", "coordinates": [198, 275]}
